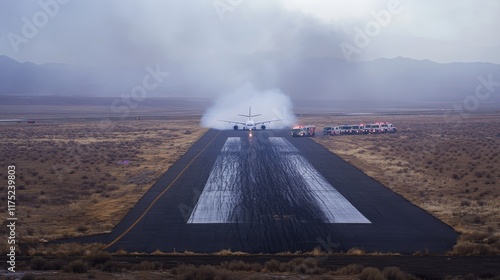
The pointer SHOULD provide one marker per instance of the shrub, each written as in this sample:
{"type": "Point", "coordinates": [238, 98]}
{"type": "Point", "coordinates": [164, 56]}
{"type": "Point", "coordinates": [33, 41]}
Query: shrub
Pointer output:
{"type": "Point", "coordinates": [98, 257]}
{"type": "Point", "coordinates": [474, 249]}
{"type": "Point", "coordinates": [77, 266]}
{"type": "Point", "coordinates": [394, 273]}
{"type": "Point", "coordinates": [182, 269]}
{"type": "Point", "coordinates": [55, 265]}
{"type": "Point", "coordinates": [356, 251]}
{"type": "Point", "coordinates": [38, 263]}
{"type": "Point", "coordinates": [317, 252]}
{"type": "Point", "coordinates": [204, 272]}
{"type": "Point", "coordinates": [114, 267]}
{"type": "Point", "coordinates": [241, 266]}
{"type": "Point", "coordinates": [475, 236]}
{"type": "Point", "coordinates": [371, 273]}
{"type": "Point", "coordinates": [158, 252]}
{"type": "Point", "coordinates": [145, 265]}
{"type": "Point", "coordinates": [298, 265]}
{"type": "Point", "coordinates": [28, 276]}
{"type": "Point", "coordinates": [306, 266]}
{"type": "Point", "coordinates": [224, 252]}
{"type": "Point", "coordinates": [351, 269]}
{"type": "Point", "coordinates": [272, 266]}
{"type": "Point", "coordinates": [82, 228]}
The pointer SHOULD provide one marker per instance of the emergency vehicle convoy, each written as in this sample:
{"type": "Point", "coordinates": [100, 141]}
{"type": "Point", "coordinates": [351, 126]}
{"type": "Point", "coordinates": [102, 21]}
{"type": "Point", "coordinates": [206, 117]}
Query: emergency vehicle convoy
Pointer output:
{"type": "Point", "coordinates": [375, 128]}
{"type": "Point", "coordinates": [303, 131]}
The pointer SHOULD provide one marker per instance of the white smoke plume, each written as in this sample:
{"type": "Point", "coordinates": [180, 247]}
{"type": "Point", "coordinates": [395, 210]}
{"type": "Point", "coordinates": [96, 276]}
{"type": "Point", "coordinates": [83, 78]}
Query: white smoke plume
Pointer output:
{"type": "Point", "coordinates": [272, 104]}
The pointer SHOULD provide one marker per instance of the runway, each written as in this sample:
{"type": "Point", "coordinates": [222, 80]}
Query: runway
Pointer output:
{"type": "Point", "coordinates": [272, 193]}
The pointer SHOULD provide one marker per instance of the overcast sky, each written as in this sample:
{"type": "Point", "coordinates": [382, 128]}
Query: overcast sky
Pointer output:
{"type": "Point", "coordinates": [202, 32]}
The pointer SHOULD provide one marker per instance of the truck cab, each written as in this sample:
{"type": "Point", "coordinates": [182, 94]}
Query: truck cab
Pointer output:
{"type": "Point", "coordinates": [388, 128]}
{"type": "Point", "coordinates": [335, 130]}
{"type": "Point", "coordinates": [304, 131]}
{"type": "Point", "coordinates": [357, 129]}
{"type": "Point", "coordinates": [346, 129]}
{"type": "Point", "coordinates": [376, 128]}
{"type": "Point", "coordinates": [327, 130]}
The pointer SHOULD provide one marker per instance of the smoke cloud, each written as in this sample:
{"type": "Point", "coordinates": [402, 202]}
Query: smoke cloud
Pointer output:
{"type": "Point", "coordinates": [272, 104]}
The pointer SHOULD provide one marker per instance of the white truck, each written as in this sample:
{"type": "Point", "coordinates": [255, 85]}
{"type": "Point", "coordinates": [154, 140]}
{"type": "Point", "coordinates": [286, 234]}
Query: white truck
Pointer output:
{"type": "Point", "coordinates": [388, 128]}
{"type": "Point", "coordinates": [385, 127]}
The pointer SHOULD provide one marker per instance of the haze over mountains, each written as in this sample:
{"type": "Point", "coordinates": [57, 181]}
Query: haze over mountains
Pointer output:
{"type": "Point", "coordinates": [394, 80]}
{"type": "Point", "coordinates": [202, 50]}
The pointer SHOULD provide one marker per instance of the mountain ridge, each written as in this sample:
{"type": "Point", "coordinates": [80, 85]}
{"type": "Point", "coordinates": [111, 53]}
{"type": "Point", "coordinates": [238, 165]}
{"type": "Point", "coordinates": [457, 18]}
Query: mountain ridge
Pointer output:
{"type": "Point", "coordinates": [395, 79]}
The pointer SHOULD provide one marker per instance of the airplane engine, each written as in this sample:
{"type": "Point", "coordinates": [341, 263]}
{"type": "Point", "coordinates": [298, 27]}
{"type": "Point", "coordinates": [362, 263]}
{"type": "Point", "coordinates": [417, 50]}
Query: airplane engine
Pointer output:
{"type": "Point", "coordinates": [235, 127]}
{"type": "Point", "coordinates": [263, 127]}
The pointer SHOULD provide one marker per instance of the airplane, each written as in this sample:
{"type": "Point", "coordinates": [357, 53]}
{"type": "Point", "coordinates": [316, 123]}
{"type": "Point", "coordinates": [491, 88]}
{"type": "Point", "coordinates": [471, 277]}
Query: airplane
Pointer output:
{"type": "Point", "coordinates": [250, 124]}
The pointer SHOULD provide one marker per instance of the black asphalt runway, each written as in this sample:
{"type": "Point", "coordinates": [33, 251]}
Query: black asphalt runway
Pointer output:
{"type": "Point", "coordinates": [253, 198]}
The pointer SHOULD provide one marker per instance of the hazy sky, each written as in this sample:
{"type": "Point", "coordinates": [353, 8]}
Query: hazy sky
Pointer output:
{"type": "Point", "coordinates": [208, 32]}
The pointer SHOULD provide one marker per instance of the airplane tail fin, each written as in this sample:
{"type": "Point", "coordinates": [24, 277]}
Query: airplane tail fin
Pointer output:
{"type": "Point", "coordinates": [249, 116]}
{"type": "Point", "coordinates": [250, 112]}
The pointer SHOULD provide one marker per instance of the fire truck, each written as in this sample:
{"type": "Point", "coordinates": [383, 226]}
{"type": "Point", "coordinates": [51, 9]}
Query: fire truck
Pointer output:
{"type": "Point", "coordinates": [304, 130]}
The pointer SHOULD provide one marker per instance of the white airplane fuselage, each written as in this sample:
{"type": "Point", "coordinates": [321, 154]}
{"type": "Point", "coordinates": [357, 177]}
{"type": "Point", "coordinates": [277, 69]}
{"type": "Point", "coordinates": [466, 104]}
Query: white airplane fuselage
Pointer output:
{"type": "Point", "coordinates": [250, 124]}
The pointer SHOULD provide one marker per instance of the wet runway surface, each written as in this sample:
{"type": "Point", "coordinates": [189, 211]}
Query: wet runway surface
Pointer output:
{"type": "Point", "coordinates": [265, 178]}
{"type": "Point", "coordinates": [272, 193]}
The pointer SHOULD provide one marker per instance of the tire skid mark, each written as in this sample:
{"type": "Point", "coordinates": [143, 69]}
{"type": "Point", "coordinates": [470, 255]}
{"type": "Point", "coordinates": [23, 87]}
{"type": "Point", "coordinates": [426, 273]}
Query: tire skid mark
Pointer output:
{"type": "Point", "coordinates": [250, 176]}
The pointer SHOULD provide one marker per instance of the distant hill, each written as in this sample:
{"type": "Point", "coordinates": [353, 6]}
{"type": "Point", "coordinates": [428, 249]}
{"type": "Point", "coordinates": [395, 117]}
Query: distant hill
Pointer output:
{"type": "Point", "coordinates": [378, 81]}
{"type": "Point", "coordinates": [61, 79]}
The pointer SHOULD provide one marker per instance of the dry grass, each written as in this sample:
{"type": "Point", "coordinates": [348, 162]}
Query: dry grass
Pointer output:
{"type": "Point", "coordinates": [450, 171]}
{"type": "Point", "coordinates": [71, 173]}
{"type": "Point", "coordinates": [99, 266]}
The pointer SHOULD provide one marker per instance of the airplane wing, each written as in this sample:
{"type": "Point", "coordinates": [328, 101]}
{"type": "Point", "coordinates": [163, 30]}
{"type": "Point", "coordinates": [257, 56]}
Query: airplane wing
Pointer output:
{"type": "Point", "coordinates": [235, 122]}
{"type": "Point", "coordinates": [263, 122]}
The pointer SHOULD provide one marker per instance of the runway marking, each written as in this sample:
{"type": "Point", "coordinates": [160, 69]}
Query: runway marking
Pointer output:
{"type": "Point", "coordinates": [160, 195]}
{"type": "Point", "coordinates": [232, 144]}
{"type": "Point", "coordinates": [220, 197]}
{"type": "Point", "coordinates": [282, 145]}
{"type": "Point", "coordinates": [334, 205]}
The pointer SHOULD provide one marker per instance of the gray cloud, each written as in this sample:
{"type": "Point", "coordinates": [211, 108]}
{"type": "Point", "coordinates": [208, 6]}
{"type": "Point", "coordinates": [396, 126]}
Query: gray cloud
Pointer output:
{"type": "Point", "coordinates": [103, 32]}
{"type": "Point", "coordinates": [263, 42]}
{"type": "Point", "coordinates": [107, 32]}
